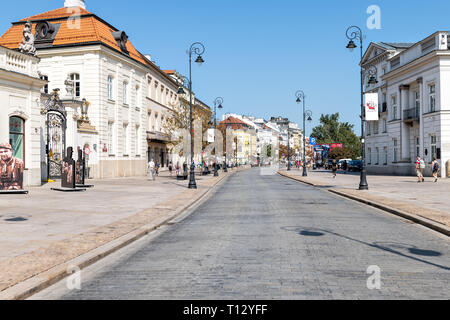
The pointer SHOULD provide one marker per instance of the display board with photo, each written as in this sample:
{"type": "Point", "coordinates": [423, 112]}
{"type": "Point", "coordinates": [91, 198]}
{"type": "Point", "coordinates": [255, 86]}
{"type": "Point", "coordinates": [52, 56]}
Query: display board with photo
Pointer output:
{"type": "Point", "coordinates": [68, 175]}
{"type": "Point", "coordinates": [11, 169]}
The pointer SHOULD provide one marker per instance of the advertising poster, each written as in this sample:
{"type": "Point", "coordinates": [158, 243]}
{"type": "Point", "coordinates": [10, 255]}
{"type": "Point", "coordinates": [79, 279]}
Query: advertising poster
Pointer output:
{"type": "Point", "coordinates": [68, 170]}
{"type": "Point", "coordinates": [371, 106]}
{"type": "Point", "coordinates": [11, 169]}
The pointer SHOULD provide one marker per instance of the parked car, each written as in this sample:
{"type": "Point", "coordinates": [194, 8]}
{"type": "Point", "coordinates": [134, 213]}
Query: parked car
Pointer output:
{"type": "Point", "coordinates": [342, 161]}
{"type": "Point", "coordinates": [355, 165]}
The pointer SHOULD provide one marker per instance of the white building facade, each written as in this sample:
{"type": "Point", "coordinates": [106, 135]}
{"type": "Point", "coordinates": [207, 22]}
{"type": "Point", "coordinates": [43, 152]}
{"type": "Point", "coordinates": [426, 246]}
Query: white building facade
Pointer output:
{"type": "Point", "coordinates": [414, 105]}
{"type": "Point", "coordinates": [128, 95]}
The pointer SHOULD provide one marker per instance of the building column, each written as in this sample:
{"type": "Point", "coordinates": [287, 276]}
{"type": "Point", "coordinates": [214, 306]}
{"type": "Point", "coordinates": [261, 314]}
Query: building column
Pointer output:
{"type": "Point", "coordinates": [421, 124]}
{"type": "Point", "coordinates": [405, 136]}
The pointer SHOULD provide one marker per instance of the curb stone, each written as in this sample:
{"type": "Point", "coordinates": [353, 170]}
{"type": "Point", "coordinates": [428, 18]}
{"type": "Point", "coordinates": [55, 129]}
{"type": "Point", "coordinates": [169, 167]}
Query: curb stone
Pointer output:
{"type": "Point", "coordinates": [43, 280]}
{"type": "Point", "coordinates": [422, 221]}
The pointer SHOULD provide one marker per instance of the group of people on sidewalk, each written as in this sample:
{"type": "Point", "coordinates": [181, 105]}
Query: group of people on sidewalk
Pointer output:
{"type": "Point", "coordinates": [420, 166]}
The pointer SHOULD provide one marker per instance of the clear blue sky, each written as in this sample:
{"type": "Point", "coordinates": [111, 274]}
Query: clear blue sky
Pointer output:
{"type": "Point", "coordinates": [259, 52]}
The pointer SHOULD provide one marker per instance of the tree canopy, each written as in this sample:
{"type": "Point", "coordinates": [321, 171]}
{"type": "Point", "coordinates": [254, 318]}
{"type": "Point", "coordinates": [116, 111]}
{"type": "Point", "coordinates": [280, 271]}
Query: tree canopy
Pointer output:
{"type": "Point", "coordinates": [331, 130]}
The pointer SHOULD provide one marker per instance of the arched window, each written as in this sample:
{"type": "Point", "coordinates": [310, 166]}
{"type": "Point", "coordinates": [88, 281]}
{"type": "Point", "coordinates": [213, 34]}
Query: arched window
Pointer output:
{"type": "Point", "coordinates": [75, 77]}
{"type": "Point", "coordinates": [16, 137]}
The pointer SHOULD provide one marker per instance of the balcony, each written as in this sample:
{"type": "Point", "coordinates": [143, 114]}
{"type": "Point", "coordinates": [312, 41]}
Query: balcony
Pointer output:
{"type": "Point", "coordinates": [18, 62]}
{"type": "Point", "coordinates": [158, 136]}
{"type": "Point", "coordinates": [412, 114]}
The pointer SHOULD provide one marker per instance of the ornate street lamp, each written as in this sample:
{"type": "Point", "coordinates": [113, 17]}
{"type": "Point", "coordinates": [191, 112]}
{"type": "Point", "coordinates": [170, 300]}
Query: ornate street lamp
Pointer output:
{"type": "Point", "coordinates": [301, 98]}
{"type": "Point", "coordinates": [217, 103]}
{"type": "Point", "coordinates": [353, 33]}
{"type": "Point", "coordinates": [372, 73]}
{"type": "Point", "coordinates": [198, 49]}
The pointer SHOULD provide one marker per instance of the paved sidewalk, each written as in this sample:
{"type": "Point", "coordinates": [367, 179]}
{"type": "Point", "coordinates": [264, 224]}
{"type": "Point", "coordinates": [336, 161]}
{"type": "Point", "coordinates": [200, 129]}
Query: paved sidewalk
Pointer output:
{"type": "Point", "coordinates": [47, 228]}
{"type": "Point", "coordinates": [428, 200]}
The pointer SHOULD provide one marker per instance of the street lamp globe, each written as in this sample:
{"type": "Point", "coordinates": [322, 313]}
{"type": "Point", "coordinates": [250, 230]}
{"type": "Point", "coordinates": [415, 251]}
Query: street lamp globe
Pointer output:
{"type": "Point", "coordinates": [181, 91]}
{"type": "Point", "coordinates": [351, 46]}
{"type": "Point", "coordinates": [199, 60]}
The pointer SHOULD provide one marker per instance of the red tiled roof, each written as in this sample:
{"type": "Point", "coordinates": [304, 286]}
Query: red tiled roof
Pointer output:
{"type": "Point", "coordinates": [58, 13]}
{"type": "Point", "coordinates": [235, 123]}
{"type": "Point", "coordinates": [169, 71]}
{"type": "Point", "coordinates": [92, 30]}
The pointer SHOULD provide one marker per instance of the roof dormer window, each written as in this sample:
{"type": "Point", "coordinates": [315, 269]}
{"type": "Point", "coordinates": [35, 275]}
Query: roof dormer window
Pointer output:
{"type": "Point", "coordinates": [121, 39]}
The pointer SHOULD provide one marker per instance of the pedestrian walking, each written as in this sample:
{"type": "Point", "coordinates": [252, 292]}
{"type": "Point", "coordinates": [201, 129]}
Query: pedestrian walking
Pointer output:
{"type": "Point", "coordinates": [344, 166]}
{"type": "Point", "coordinates": [151, 170]}
{"type": "Point", "coordinates": [435, 169]}
{"type": "Point", "coordinates": [334, 168]}
{"type": "Point", "coordinates": [177, 168]}
{"type": "Point", "coordinates": [420, 165]}
{"type": "Point", "coordinates": [157, 168]}
{"type": "Point", "coordinates": [170, 168]}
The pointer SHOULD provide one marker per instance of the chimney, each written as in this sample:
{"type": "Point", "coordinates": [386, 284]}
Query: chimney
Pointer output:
{"type": "Point", "coordinates": [149, 57]}
{"type": "Point", "coordinates": [74, 3]}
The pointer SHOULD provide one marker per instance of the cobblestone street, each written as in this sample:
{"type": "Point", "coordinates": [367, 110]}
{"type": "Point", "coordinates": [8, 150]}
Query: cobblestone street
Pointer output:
{"type": "Point", "coordinates": [269, 237]}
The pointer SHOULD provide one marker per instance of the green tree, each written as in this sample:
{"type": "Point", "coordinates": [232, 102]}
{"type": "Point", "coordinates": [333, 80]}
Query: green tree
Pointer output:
{"type": "Point", "coordinates": [331, 130]}
{"type": "Point", "coordinates": [340, 153]}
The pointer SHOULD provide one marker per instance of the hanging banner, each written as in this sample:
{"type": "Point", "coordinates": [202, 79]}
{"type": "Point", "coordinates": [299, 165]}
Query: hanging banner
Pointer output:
{"type": "Point", "coordinates": [211, 134]}
{"type": "Point", "coordinates": [371, 106]}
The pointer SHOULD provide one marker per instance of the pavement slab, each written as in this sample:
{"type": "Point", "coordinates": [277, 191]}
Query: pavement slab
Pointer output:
{"type": "Point", "coordinates": [428, 200]}
{"type": "Point", "coordinates": [255, 239]}
{"type": "Point", "coordinates": [51, 228]}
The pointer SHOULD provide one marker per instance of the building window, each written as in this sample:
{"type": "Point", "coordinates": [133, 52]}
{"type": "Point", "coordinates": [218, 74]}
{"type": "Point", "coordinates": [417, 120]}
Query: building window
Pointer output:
{"type": "Point", "coordinates": [125, 92]}
{"type": "Point", "coordinates": [369, 156]}
{"type": "Point", "coordinates": [395, 154]}
{"type": "Point", "coordinates": [110, 87]}
{"type": "Point", "coordinates": [149, 87]}
{"type": "Point", "coordinates": [394, 107]}
{"type": "Point", "coordinates": [138, 97]}
{"type": "Point", "coordinates": [45, 87]}
{"type": "Point", "coordinates": [385, 151]}
{"type": "Point", "coordinates": [378, 156]}
{"type": "Point", "coordinates": [432, 97]}
{"type": "Point", "coordinates": [110, 137]}
{"type": "Point", "coordinates": [125, 139]}
{"type": "Point", "coordinates": [16, 137]}
{"type": "Point", "coordinates": [376, 124]}
{"type": "Point", "coordinates": [75, 77]}
{"type": "Point", "coordinates": [384, 126]}
{"type": "Point", "coordinates": [368, 128]}
{"type": "Point", "coordinates": [417, 100]}
{"type": "Point", "coordinates": [433, 147]}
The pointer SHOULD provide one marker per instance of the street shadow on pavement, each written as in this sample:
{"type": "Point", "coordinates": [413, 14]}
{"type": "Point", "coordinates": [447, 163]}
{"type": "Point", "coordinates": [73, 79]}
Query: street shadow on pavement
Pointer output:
{"type": "Point", "coordinates": [385, 246]}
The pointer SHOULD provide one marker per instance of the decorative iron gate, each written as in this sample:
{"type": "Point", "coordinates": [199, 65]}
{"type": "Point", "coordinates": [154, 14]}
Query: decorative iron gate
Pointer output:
{"type": "Point", "coordinates": [56, 143]}
{"type": "Point", "coordinates": [56, 134]}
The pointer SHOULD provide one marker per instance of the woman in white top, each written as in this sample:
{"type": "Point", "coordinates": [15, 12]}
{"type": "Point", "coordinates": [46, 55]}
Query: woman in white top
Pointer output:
{"type": "Point", "coordinates": [151, 170]}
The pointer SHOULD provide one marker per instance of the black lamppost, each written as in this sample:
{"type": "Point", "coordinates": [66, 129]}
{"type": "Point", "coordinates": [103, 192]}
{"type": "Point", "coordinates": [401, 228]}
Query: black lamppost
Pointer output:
{"type": "Point", "coordinates": [301, 98]}
{"type": "Point", "coordinates": [217, 102]}
{"type": "Point", "coordinates": [353, 33]}
{"type": "Point", "coordinates": [198, 49]}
